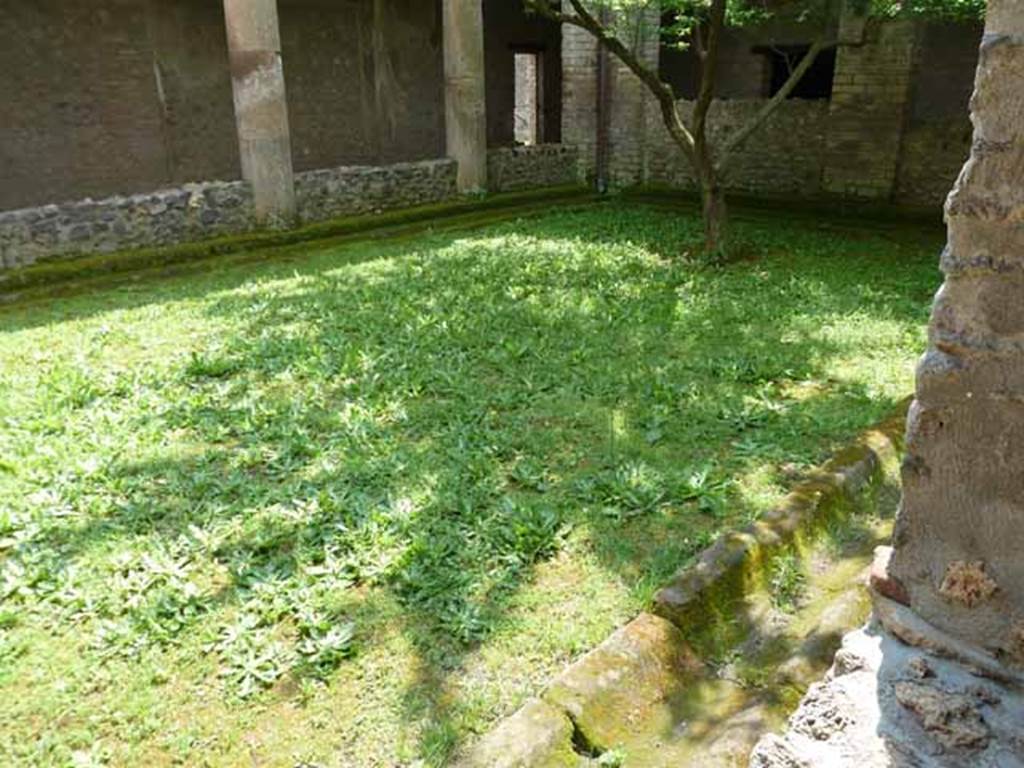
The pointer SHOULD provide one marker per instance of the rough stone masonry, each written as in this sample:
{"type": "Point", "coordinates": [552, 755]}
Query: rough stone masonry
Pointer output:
{"type": "Point", "coordinates": [937, 679]}
{"type": "Point", "coordinates": [959, 543]}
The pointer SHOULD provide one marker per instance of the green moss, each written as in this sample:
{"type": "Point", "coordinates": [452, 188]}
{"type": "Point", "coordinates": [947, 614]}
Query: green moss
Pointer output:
{"type": "Point", "coordinates": [48, 275]}
{"type": "Point", "coordinates": [715, 618]}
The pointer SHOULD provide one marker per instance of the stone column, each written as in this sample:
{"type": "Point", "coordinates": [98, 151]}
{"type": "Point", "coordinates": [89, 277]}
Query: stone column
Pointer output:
{"type": "Point", "coordinates": [959, 543]}
{"type": "Point", "coordinates": [579, 96]}
{"type": "Point", "coordinates": [635, 114]}
{"type": "Point", "coordinates": [867, 112]}
{"type": "Point", "coordinates": [261, 110]}
{"type": "Point", "coordinates": [464, 91]}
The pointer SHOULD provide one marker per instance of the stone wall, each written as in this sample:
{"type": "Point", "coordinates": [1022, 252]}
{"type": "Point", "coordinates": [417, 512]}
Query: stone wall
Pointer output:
{"type": "Point", "coordinates": [785, 157]}
{"type": "Point", "coordinates": [206, 210]}
{"type": "Point", "coordinates": [351, 190]}
{"type": "Point", "coordinates": [895, 129]}
{"type": "Point", "coordinates": [212, 209]}
{"type": "Point", "coordinates": [543, 165]}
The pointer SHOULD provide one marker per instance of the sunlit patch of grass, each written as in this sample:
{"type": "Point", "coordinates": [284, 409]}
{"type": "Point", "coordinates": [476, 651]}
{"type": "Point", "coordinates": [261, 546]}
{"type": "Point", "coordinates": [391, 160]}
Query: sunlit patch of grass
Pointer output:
{"type": "Point", "coordinates": [355, 507]}
{"type": "Point", "coordinates": [788, 581]}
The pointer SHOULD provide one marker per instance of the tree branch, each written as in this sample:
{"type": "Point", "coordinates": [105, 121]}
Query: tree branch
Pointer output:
{"type": "Point", "coordinates": [735, 141]}
{"type": "Point", "coordinates": [708, 67]}
{"type": "Point", "coordinates": [698, 42]}
{"type": "Point", "coordinates": [663, 93]}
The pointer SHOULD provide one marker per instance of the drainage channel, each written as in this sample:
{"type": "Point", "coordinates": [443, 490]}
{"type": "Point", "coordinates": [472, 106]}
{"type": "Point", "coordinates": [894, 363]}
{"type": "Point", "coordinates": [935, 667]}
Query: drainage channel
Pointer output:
{"type": "Point", "coordinates": [749, 689]}
{"type": "Point", "coordinates": [740, 637]}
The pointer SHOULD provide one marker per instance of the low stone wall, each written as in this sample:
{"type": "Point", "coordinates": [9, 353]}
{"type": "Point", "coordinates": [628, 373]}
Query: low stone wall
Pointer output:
{"type": "Point", "coordinates": [785, 156]}
{"type": "Point", "coordinates": [626, 693]}
{"type": "Point", "coordinates": [543, 165]}
{"type": "Point", "coordinates": [210, 209]}
{"type": "Point", "coordinates": [165, 217]}
{"type": "Point", "coordinates": [221, 208]}
{"type": "Point", "coordinates": [351, 190]}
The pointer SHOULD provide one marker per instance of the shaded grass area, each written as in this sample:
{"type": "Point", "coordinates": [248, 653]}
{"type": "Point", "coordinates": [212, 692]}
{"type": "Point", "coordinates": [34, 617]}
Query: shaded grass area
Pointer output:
{"type": "Point", "coordinates": [353, 508]}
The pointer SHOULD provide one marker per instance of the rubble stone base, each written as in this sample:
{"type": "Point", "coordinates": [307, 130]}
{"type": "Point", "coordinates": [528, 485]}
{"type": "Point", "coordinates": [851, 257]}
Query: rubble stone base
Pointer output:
{"type": "Point", "coordinates": [888, 704]}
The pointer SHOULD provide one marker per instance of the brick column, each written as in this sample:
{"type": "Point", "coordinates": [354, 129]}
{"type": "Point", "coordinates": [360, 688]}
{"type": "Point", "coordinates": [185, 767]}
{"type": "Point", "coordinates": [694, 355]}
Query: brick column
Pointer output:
{"type": "Point", "coordinates": [261, 110]}
{"type": "Point", "coordinates": [959, 543]}
{"type": "Point", "coordinates": [464, 91]}
{"type": "Point", "coordinates": [634, 108]}
{"type": "Point", "coordinates": [579, 96]}
{"type": "Point", "coordinates": [867, 113]}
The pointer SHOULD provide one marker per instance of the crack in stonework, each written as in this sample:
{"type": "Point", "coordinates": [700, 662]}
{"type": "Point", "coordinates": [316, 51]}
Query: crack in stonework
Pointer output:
{"type": "Point", "coordinates": [581, 743]}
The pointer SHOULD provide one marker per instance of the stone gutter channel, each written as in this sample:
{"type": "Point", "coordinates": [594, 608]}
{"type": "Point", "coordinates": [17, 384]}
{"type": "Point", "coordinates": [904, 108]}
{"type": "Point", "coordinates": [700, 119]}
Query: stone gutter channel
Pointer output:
{"type": "Point", "coordinates": [720, 660]}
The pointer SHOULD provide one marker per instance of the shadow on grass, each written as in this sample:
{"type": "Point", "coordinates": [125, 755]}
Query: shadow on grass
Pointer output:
{"type": "Point", "coordinates": [434, 425]}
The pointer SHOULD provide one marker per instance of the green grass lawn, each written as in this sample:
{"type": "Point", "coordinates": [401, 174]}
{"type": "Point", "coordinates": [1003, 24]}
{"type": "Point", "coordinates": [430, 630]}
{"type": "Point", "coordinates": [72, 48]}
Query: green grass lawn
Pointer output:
{"type": "Point", "coordinates": [351, 506]}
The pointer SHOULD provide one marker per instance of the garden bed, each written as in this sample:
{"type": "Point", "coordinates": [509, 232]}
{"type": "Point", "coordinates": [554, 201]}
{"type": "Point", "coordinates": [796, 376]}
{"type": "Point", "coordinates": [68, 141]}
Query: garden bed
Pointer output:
{"type": "Point", "coordinates": [355, 505]}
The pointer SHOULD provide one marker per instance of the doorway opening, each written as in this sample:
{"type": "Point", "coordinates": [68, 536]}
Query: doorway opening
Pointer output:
{"type": "Point", "coordinates": [528, 122]}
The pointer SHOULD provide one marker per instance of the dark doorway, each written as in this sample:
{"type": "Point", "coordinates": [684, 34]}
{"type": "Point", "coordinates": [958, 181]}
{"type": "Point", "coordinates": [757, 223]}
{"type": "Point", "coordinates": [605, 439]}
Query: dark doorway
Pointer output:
{"type": "Point", "coordinates": [782, 60]}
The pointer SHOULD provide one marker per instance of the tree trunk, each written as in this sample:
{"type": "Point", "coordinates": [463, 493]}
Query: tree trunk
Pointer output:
{"type": "Point", "coordinates": [715, 221]}
{"type": "Point", "coordinates": [713, 205]}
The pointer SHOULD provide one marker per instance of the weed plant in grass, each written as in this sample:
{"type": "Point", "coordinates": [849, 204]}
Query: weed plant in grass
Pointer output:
{"type": "Point", "coordinates": [352, 506]}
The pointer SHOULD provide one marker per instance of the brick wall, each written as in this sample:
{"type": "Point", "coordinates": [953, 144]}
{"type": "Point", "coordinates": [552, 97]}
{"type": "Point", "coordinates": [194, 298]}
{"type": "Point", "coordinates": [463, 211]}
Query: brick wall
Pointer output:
{"type": "Point", "coordinates": [364, 81]}
{"type": "Point", "coordinates": [785, 157]}
{"type": "Point", "coordinates": [633, 108]}
{"type": "Point", "coordinates": [895, 128]}
{"type": "Point", "coordinates": [932, 155]}
{"type": "Point", "coordinates": [81, 113]}
{"type": "Point", "coordinates": [122, 96]}
{"type": "Point", "coordinates": [507, 28]}
{"type": "Point", "coordinates": [869, 110]}
{"type": "Point", "coordinates": [937, 137]}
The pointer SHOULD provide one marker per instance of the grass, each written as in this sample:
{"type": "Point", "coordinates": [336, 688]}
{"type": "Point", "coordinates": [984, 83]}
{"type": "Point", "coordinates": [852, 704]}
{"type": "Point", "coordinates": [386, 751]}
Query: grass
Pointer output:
{"type": "Point", "coordinates": [788, 582]}
{"type": "Point", "coordinates": [352, 506]}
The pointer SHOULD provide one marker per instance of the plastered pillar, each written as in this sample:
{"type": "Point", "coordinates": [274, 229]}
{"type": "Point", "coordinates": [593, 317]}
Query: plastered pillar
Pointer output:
{"type": "Point", "coordinates": [261, 109]}
{"type": "Point", "coordinates": [464, 92]}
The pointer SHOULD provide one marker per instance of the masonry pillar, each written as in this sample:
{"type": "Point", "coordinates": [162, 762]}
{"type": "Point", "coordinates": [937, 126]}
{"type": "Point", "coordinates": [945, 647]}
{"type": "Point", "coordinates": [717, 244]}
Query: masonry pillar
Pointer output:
{"type": "Point", "coordinates": [868, 109]}
{"type": "Point", "coordinates": [579, 95]}
{"type": "Point", "coordinates": [261, 110]}
{"type": "Point", "coordinates": [635, 113]}
{"type": "Point", "coordinates": [959, 543]}
{"type": "Point", "coordinates": [464, 91]}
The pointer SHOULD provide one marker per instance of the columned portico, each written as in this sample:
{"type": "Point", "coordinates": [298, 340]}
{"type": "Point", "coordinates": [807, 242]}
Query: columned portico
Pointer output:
{"type": "Point", "coordinates": [261, 109]}
{"type": "Point", "coordinates": [464, 92]}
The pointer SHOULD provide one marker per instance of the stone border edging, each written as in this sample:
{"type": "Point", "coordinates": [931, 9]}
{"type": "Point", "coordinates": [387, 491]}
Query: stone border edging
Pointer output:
{"type": "Point", "coordinates": [738, 562]}
{"type": "Point", "coordinates": [651, 657]}
{"type": "Point", "coordinates": [49, 278]}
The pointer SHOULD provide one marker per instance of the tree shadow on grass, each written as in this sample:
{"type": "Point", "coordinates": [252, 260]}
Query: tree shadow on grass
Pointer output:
{"type": "Point", "coordinates": [431, 426]}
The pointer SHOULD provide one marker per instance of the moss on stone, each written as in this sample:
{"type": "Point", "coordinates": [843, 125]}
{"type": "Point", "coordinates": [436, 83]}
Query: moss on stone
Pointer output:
{"type": "Point", "coordinates": [52, 276]}
{"type": "Point", "coordinates": [708, 602]}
